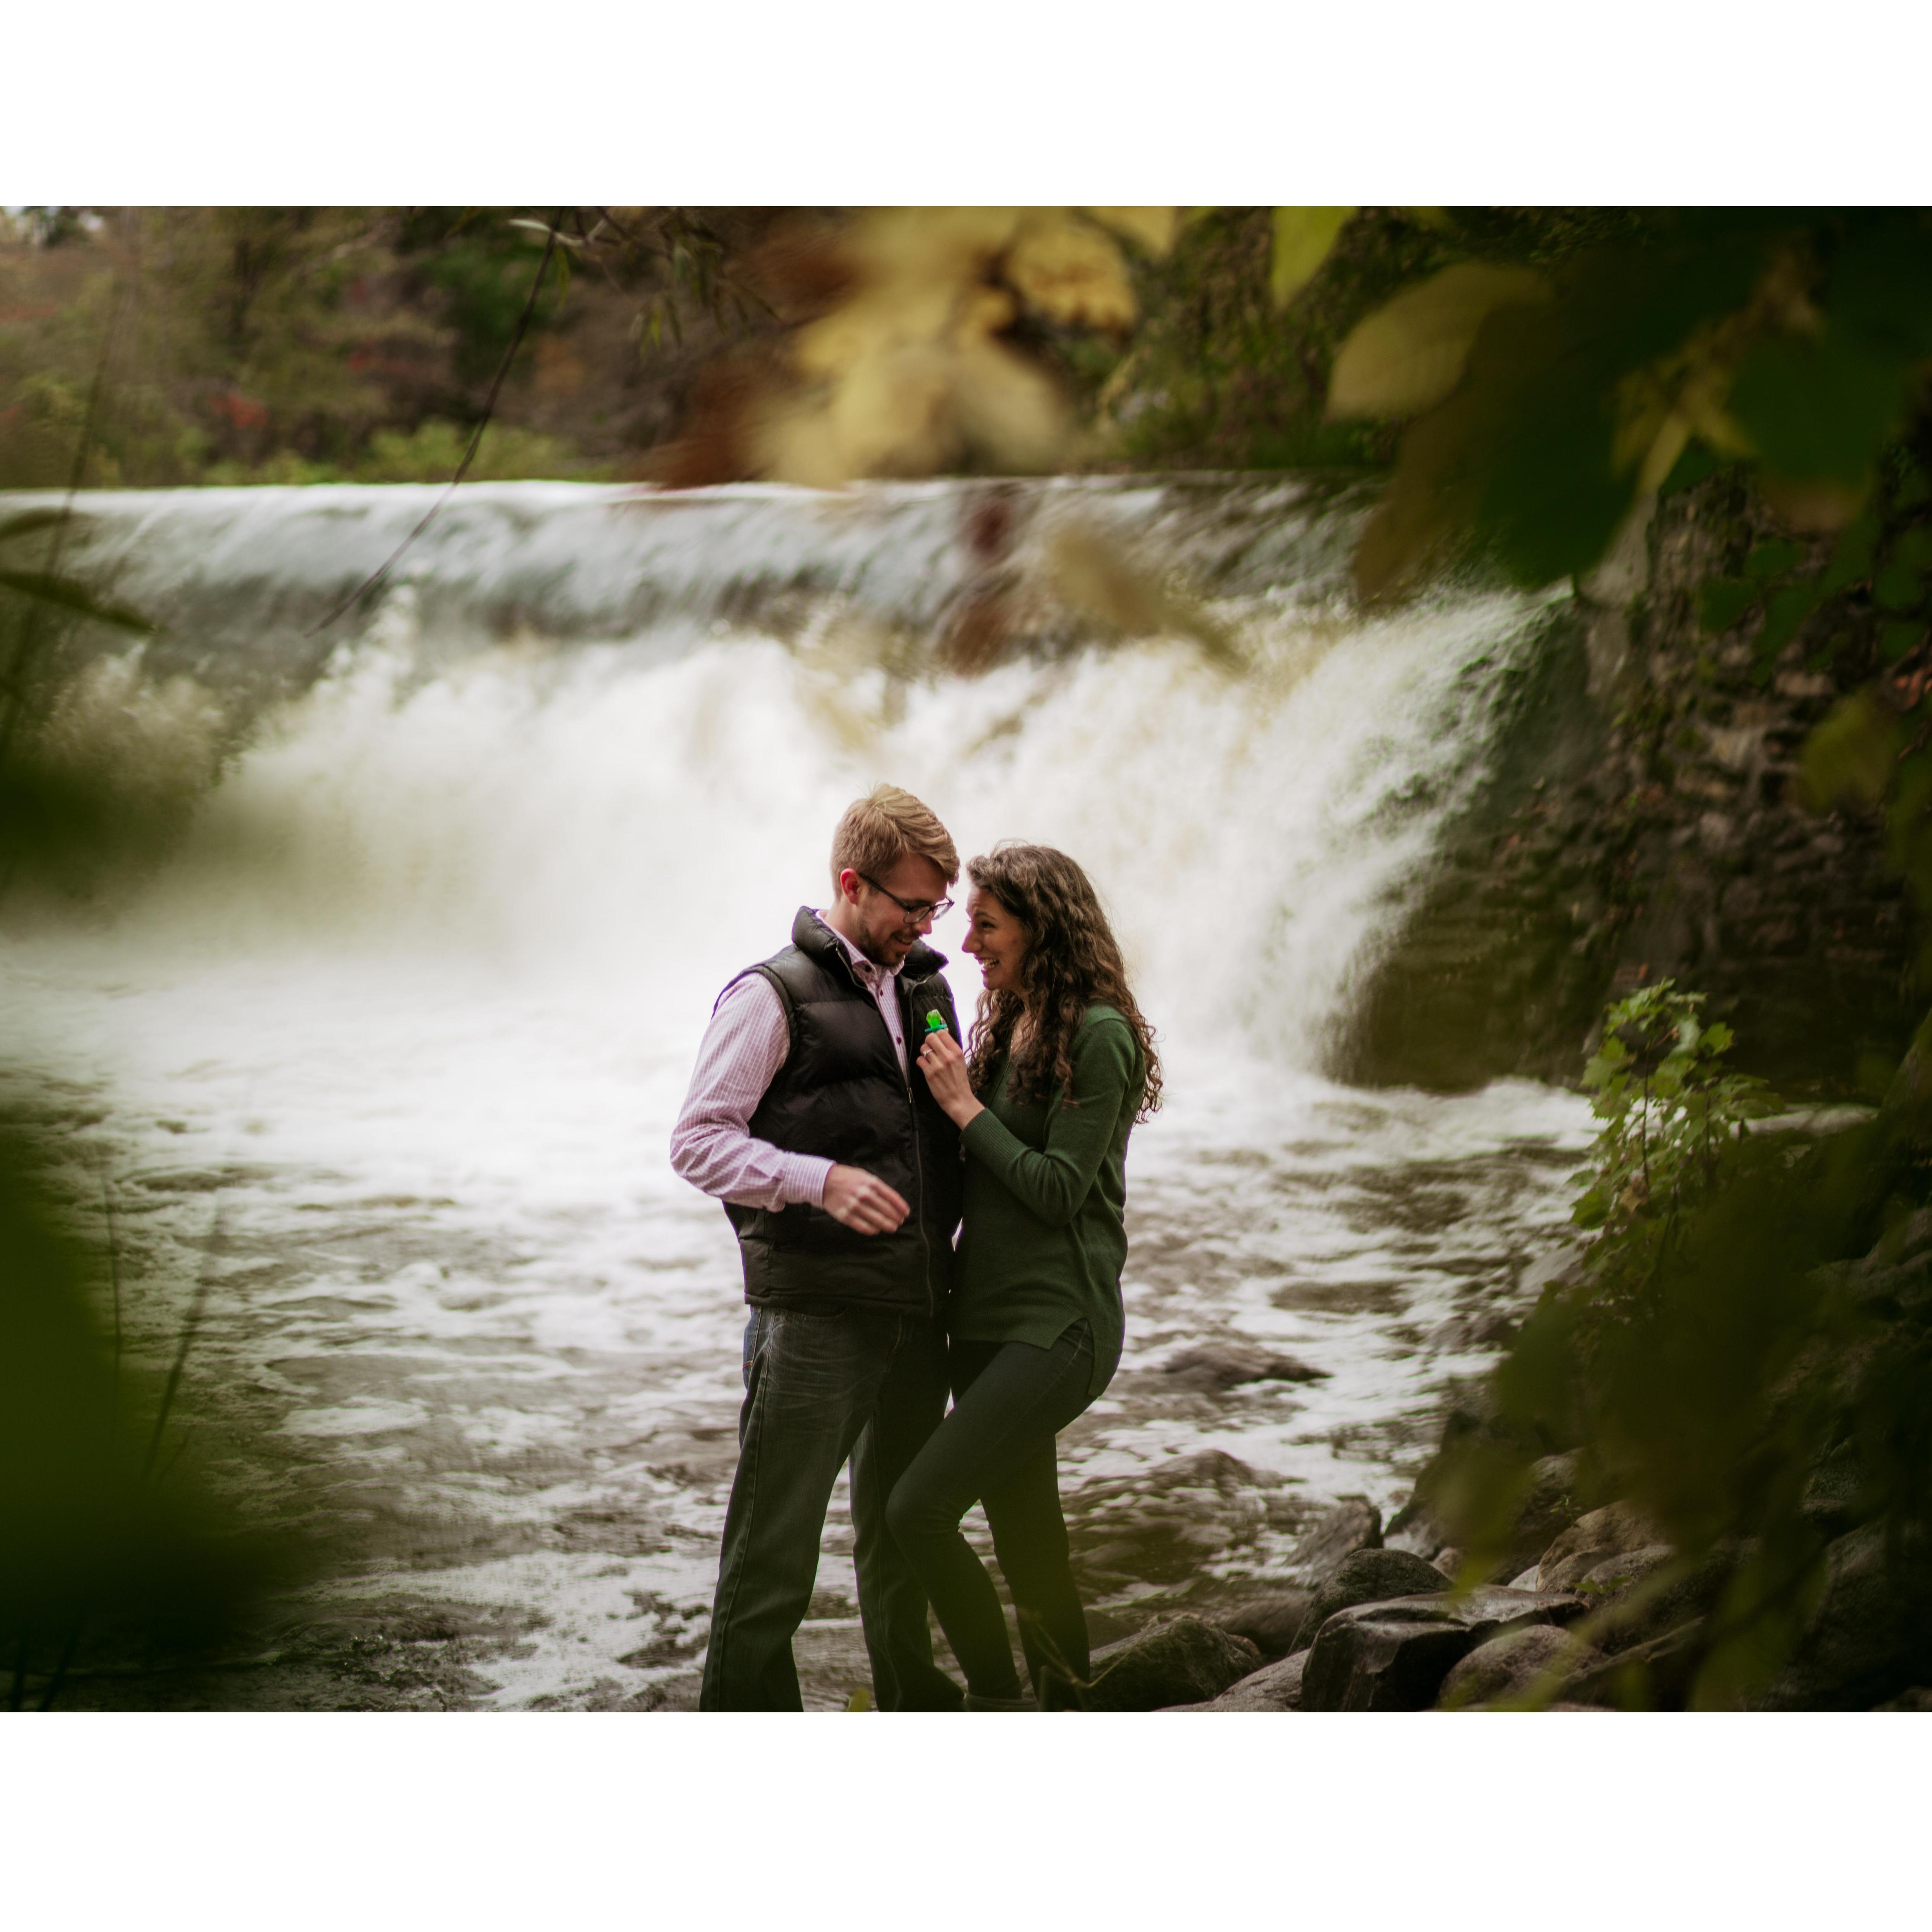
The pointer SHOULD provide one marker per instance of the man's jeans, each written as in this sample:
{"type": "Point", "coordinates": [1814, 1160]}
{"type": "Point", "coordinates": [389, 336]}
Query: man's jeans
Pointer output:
{"type": "Point", "coordinates": [820, 1389]}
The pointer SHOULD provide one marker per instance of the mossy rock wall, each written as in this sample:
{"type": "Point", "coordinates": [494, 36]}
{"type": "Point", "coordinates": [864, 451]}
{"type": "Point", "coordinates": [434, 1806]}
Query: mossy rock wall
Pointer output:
{"type": "Point", "coordinates": [1644, 821]}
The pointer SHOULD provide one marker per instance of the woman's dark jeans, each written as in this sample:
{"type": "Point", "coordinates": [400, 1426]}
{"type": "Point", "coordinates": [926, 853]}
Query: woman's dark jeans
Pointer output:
{"type": "Point", "coordinates": [996, 1448]}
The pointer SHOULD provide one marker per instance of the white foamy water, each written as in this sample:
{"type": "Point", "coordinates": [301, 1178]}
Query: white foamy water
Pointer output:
{"type": "Point", "coordinates": [410, 1013]}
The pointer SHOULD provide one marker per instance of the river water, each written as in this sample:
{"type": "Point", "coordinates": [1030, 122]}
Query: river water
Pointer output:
{"type": "Point", "coordinates": [382, 1061]}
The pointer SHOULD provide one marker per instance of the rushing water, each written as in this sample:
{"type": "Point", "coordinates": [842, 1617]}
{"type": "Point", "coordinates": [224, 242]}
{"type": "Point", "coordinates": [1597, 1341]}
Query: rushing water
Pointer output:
{"type": "Point", "coordinates": [387, 1053]}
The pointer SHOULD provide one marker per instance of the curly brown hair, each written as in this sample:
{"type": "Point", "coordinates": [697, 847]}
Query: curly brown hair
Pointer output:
{"type": "Point", "coordinates": [1072, 962]}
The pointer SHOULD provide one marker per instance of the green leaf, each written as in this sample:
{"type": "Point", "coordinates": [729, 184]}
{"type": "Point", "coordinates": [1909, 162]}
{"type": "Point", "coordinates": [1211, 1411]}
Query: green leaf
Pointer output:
{"type": "Point", "coordinates": [1914, 547]}
{"type": "Point", "coordinates": [1698, 461]}
{"type": "Point", "coordinates": [64, 594]}
{"type": "Point", "coordinates": [1851, 754]}
{"type": "Point", "coordinates": [1896, 639]}
{"type": "Point", "coordinates": [1773, 558]}
{"type": "Point", "coordinates": [1785, 610]}
{"type": "Point", "coordinates": [1593, 1210]}
{"type": "Point", "coordinates": [1304, 238]}
{"type": "Point", "coordinates": [1818, 408]}
{"type": "Point", "coordinates": [1851, 556]}
{"type": "Point", "coordinates": [1880, 286]}
{"type": "Point", "coordinates": [1412, 351]}
{"type": "Point", "coordinates": [1898, 587]}
{"type": "Point", "coordinates": [1723, 601]}
{"type": "Point", "coordinates": [1523, 454]}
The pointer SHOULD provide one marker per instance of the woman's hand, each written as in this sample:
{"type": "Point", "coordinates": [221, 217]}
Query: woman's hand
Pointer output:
{"type": "Point", "coordinates": [944, 1067]}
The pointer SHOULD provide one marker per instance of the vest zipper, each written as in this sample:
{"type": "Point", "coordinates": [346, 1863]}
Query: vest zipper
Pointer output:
{"type": "Point", "coordinates": [918, 1164]}
{"type": "Point", "coordinates": [906, 1005]}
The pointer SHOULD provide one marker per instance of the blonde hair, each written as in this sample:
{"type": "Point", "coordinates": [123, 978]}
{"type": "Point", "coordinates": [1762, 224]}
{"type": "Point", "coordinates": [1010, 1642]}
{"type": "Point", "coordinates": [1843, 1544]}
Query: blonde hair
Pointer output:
{"type": "Point", "coordinates": [878, 830]}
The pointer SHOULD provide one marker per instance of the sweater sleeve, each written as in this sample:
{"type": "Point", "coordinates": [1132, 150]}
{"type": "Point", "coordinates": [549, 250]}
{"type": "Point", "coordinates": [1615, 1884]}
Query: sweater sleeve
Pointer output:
{"type": "Point", "coordinates": [1052, 1181]}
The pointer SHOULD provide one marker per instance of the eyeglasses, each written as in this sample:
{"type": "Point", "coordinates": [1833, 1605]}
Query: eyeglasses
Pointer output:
{"type": "Point", "coordinates": [914, 909]}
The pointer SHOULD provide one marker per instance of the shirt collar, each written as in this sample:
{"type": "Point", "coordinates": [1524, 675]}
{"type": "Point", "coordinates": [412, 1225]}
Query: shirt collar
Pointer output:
{"type": "Point", "coordinates": [866, 968]}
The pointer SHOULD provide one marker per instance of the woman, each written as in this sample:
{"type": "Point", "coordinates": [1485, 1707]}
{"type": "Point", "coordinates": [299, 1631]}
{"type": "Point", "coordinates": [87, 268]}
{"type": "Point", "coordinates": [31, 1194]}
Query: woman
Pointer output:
{"type": "Point", "coordinates": [1062, 1065]}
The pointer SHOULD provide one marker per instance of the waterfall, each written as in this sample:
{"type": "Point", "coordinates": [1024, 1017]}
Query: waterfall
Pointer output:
{"type": "Point", "coordinates": [582, 729]}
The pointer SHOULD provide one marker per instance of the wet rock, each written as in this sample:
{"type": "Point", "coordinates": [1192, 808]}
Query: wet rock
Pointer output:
{"type": "Point", "coordinates": [1209, 1469]}
{"type": "Point", "coordinates": [1415, 1527]}
{"type": "Point", "coordinates": [1643, 1593]}
{"type": "Point", "coordinates": [1184, 1659]}
{"type": "Point", "coordinates": [1447, 1561]}
{"type": "Point", "coordinates": [1591, 1540]}
{"type": "Point", "coordinates": [1870, 1637]}
{"type": "Point", "coordinates": [1549, 1506]}
{"type": "Point", "coordinates": [1162, 1525]}
{"type": "Point", "coordinates": [1911, 1238]}
{"type": "Point", "coordinates": [1550, 1509]}
{"type": "Point", "coordinates": [1655, 1676]}
{"type": "Point", "coordinates": [1219, 1366]}
{"type": "Point", "coordinates": [1918, 1698]}
{"type": "Point", "coordinates": [1833, 1495]}
{"type": "Point", "coordinates": [1394, 1656]}
{"type": "Point", "coordinates": [1517, 1664]}
{"type": "Point", "coordinates": [1368, 1577]}
{"type": "Point", "coordinates": [1612, 1585]}
{"type": "Point", "coordinates": [1894, 1280]}
{"type": "Point", "coordinates": [1276, 1686]}
{"type": "Point", "coordinates": [1356, 1524]}
{"type": "Point", "coordinates": [1269, 1623]}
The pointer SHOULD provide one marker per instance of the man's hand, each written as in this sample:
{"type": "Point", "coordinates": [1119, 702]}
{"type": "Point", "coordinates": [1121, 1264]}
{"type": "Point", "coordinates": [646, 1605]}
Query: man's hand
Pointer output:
{"type": "Point", "coordinates": [863, 1202]}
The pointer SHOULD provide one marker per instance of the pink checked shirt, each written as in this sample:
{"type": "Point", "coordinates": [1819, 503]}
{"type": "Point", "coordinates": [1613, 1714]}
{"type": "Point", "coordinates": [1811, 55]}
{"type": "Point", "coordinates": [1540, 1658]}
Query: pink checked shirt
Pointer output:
{"type": "Point", "coordinates": [713, 1146]}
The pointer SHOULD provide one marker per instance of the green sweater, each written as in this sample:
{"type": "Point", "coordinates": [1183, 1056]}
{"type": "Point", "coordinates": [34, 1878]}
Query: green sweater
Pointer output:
{"type": "Point", "coordinates": [1045, 1237]}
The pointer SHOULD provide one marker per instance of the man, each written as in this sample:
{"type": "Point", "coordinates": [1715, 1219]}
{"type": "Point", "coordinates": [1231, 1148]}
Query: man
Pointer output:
{"type": "Point", "coordinates": [840, 1175]}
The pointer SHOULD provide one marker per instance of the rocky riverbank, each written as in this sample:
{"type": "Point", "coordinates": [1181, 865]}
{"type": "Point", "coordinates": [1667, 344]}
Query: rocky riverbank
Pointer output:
{"type": "Point", "coordinates": [1588, 1609]}
{"type": "Point", "coordinates": [1609, 1617]}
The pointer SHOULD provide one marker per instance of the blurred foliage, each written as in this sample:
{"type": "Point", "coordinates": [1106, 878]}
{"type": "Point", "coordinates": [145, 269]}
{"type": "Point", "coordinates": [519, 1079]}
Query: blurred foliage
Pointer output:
{"type": "Point", "coordinates": [920, 340]}
{"type": "Point", "coordinates": [924, 340]}
{"type": "Point", "coordinates": [111, 1546]}
{"type": "Point", "coordinates": [114, 1553]}
{"type": "Point", "coordinates": [1540, 410]}
{"type": "Point", "coordinates": [1717, 1357]}
{"type": "Point", "coordinates": [685, 344]}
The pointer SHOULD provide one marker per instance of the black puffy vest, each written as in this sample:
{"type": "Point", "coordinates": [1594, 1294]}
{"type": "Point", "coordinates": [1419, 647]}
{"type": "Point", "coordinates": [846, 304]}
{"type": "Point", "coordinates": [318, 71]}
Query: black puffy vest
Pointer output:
{"type": "Point", "coordinates": [840, 1094]}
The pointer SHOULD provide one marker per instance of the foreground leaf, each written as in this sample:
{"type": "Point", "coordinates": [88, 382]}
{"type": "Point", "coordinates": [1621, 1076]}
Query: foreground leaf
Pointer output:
{"type": "Point", "coordinates": [1073, 273]}
{"type": "Point", "coordinates": [1819, 410]}
{"type": "Point", "coordinates": [1851, 755]}
{"type": "Point", "coordinates": [1303, 239]}
{"type": "Point", "coordinates": [1412, 352]}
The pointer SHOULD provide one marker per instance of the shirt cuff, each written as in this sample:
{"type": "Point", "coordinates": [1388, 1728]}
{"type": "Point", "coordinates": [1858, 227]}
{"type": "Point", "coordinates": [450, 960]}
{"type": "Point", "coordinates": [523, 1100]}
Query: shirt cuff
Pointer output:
{"type": "Point", "coordinates": [803, 1178]}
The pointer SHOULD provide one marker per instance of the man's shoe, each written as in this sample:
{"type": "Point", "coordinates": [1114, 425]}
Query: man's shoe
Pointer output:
{"type": "Point", "coordinates": [973, 1703]}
